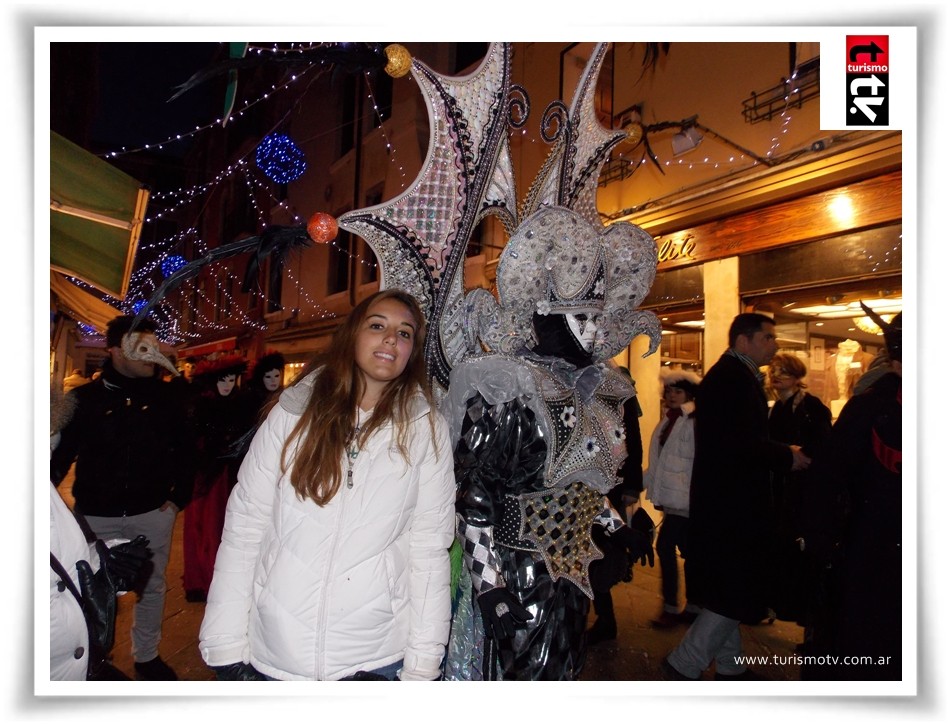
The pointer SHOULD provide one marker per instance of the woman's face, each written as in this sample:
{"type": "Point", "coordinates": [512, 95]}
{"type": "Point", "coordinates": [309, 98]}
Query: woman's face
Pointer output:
{"type": "Point", "coordinates": [226, 384]}
{"type": "Point", "coordinates": [384, 342]}
{"type": "Point", "coordinates": [272, 380]}
{"type": "Point", "coordinates": [782, 382]}
{"type": "Point", "coordinates": [674, 397]}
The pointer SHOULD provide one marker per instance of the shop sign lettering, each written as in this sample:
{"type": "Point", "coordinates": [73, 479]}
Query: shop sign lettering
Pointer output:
{"type": "Point", "coordinates": [671, 250]}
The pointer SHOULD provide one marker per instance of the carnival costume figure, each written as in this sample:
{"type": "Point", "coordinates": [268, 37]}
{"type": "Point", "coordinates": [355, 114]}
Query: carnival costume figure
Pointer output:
{"type": "Point", "coordinates": [540, 439]}
{"type": "Point", "coordinates": [223, 415]}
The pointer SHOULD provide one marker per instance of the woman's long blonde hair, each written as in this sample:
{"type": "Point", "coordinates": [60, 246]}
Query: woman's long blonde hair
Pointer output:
{"type": "Point", "coordinates": [319, 439]}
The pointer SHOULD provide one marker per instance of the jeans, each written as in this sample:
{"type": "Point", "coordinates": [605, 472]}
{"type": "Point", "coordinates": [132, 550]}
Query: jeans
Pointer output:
{"type": "Point", "coordinates": [672, 536]}
{"type": "Point", "coordinates": [387, 672]}
{"type": "Point", "coordinates": [710, 637]}
{"type": "Point", "coordinates": [149, 610]}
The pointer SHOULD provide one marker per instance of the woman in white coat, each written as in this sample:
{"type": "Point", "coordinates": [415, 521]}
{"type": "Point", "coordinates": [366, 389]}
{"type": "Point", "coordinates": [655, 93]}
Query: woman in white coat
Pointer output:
{"type": "Point", "coordinates": [334, 559]}
{"type": "Point", "coordinates": [667, 482]}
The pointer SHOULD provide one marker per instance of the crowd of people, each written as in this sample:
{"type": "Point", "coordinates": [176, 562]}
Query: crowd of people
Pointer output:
{"type": "Point", "coordinates": [346, 527]}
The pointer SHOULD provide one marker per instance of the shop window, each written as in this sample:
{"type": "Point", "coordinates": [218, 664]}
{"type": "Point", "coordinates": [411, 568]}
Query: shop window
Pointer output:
{"type": "Point", "coordinates": [872, 253]}
{"type": "Point", "coordinates": [676, 287]}
{"type": "Point", "coordinates": [682, 349]}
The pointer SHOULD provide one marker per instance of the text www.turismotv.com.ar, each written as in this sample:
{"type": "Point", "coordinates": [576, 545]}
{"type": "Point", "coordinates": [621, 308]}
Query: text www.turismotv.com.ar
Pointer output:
{"type": "Point", "coordinates": [806, 660]}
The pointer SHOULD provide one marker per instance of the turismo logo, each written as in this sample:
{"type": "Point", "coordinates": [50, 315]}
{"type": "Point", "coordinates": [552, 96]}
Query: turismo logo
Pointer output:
{"type": "Point", "coordinates": [867, 79]}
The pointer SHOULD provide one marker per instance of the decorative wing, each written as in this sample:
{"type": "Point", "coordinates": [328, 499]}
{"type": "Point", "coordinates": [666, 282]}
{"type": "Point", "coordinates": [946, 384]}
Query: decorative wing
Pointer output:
{"type": "Point", "coordinates": [420, 236]}
{"type": "Point", "coordinates": [581, 146]}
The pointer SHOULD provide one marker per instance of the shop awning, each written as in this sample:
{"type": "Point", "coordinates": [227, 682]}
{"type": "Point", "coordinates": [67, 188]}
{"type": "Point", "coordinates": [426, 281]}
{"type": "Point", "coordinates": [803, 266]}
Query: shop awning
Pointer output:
{"type": "Point", "coordinates": [96, 215]}
{"type": "Point", "coordinates": [81, 305]}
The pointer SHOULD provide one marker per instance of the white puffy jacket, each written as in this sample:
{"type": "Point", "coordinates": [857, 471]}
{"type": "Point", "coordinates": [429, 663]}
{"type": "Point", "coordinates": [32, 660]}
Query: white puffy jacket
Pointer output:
{"type": "Point", "coordinates": [68, 636]}
{"type": "Point", "coordinates": [670, 468]}
{"type": "Point", "coordinates": [309, 593]}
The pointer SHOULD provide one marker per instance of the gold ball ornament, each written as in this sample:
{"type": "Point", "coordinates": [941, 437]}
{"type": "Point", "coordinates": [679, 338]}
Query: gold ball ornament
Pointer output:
{"type": "Point", "coordinates": [322, 228]}
{"type": "Point", "coordinates": [399, 60]}
{"type": "Point", "coordinates": [634, 133]}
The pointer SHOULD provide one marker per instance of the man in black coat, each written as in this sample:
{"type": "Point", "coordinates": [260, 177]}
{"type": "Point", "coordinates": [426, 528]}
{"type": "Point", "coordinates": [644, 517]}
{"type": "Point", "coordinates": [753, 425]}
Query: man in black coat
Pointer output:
{"type": "Point", "coordinates": [853, 532]}
{"type": "Point", "coordinates": [731, 518]}
{"type": "Point", "coordinates": [133, 452]}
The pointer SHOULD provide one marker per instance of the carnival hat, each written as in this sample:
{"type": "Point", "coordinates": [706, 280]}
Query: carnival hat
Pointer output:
{"type": "Point", "coordinates": [557, 262]}
{"type": "Point", "coordinates": [214, 368]}
{"type": "Point", "coordinates": [685, 380]}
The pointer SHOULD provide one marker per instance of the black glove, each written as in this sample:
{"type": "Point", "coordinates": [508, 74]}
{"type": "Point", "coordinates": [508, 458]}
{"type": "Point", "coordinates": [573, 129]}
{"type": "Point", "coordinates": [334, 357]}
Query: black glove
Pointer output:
{"type": "Point", "coordinates": [237, 672]}
{"type": "Point", "coordinates": [502, 613]}
{"type": "Point", "coordinates": [125, 562]}
{"type": "Point", "coordinates": [98, 607]}
{"type": "Point", "coordinates": [639, 544]}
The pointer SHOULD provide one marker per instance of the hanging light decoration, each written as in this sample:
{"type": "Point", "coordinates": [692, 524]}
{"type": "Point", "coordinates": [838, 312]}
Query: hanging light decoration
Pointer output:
{"type": "Point", "coordinates": [866, 324]}
{"type": "Point", "coordinates": [172, 264]}
{"type": "Point", "coordinates": [398, 61]}
{"type": "Point", "coordinates": [322, 228]}
{"type": "Point", "coordinates": [280, 158]}
{"type": "Point", "coordinates": [137, 306]}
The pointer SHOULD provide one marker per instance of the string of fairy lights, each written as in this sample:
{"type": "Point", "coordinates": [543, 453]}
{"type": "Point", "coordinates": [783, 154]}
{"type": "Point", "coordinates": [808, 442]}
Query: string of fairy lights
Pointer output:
{"type": "Point", "coordinates": [734, 159]}
{"type": "Point", "coordinates": [390, 149]}
{"type": "Point", "coordinates": [248, 104]}
{"type": "Point", "coordinates": [279, 160]}
{"type": "Point", "coordinates": [163, 252]}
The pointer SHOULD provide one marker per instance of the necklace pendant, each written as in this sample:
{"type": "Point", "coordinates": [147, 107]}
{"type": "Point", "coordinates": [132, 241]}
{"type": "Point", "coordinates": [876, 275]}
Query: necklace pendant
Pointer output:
{"type": "Point", "coordinates": [349, 478]}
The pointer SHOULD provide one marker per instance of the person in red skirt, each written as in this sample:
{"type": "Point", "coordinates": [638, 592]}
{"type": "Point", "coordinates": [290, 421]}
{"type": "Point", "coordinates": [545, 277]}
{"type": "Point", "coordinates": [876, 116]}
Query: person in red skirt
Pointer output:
{"type": "Point", "coordinates": [222, 415]}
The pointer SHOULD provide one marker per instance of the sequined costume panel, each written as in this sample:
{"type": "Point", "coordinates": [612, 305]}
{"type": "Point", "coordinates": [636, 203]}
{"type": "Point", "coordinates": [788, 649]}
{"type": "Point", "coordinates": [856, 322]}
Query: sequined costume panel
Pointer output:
{"type": "Point", "coordinates": [501, 454]}
{"type": "Point", "coordinates": [551, 647]}
{"type": "Point", "coordinates": [540, 529]}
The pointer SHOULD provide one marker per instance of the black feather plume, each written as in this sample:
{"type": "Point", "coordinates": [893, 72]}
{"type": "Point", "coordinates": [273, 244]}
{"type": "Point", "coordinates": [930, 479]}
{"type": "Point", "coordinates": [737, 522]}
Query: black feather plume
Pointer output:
{"type": "Point", "coordinates": [274, 241]}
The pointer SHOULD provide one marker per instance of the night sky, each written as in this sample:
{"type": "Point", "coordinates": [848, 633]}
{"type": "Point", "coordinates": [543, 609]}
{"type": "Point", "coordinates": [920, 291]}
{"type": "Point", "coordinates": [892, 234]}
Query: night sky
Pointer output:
{"type": "Point", "coordinates": [136, 82]}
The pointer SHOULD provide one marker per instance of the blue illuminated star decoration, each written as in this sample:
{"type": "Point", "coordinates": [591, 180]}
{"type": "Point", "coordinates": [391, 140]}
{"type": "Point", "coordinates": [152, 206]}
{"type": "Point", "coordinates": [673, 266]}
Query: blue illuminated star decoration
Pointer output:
{"type": "Point", "coordinates": [172, 264]}
{"type": "Point", "coordinates": [280, 158]}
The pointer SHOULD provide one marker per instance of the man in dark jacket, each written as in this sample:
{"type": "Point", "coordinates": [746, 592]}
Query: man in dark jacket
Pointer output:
{"type": "Point", "coordinates": [129, 440]}
{"type": "Point", "coordinates": [853, 531]}
{"type": "Point", "coordinates": [731, 519]}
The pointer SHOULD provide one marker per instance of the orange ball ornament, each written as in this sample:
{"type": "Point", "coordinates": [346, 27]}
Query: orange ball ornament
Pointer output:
{"type": "Point", "coordinates": [322, 228]}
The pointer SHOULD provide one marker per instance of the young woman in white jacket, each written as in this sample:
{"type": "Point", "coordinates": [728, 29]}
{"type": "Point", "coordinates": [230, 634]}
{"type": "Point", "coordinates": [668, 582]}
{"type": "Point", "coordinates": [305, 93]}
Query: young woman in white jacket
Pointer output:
{"type": "Point", "coordinates": [667, 482]}
{"type": "Point", "coordinates": [334, 559]}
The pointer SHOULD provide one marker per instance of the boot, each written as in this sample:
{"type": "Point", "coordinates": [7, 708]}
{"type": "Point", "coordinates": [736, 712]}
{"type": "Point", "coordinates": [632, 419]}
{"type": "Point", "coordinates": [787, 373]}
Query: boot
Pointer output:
{"type": "Point", "coordinates": [604, 628]}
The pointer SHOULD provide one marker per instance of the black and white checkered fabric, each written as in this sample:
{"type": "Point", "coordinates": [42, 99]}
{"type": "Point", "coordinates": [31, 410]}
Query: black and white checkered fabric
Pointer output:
{"type": "Point", "coordinates": [478, 551]}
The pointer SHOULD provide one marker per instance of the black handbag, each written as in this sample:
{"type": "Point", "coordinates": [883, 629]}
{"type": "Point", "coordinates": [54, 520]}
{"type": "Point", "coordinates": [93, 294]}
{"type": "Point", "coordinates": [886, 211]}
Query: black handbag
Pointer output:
{"type": "Point", "coordinates": [98, 601]}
